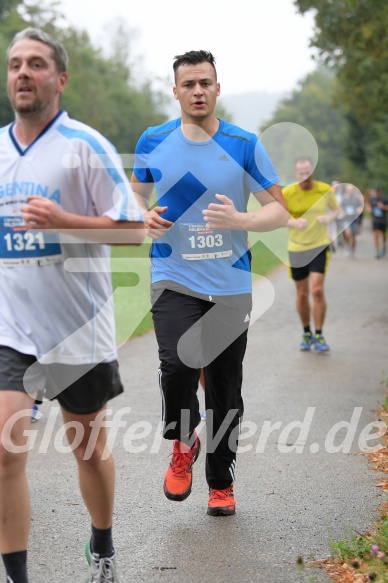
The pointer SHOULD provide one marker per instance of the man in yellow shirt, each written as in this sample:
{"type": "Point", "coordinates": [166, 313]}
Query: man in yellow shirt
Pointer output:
{"type": "Point", "coordinates": [312, 206]}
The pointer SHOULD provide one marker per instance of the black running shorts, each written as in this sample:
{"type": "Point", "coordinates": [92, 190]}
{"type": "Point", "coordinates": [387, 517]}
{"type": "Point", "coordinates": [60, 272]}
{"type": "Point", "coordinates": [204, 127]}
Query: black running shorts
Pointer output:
{"type": "Point", "coordinates": [302, 263]}
{"type": "Point", "coordinates": [87, 392]}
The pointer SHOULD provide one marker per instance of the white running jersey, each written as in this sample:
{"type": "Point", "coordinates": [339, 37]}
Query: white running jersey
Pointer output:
{"type": "Point", "coordinates": [46, 310]}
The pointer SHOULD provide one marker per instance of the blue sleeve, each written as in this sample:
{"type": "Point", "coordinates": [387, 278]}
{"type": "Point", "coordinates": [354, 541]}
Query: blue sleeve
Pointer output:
{"type": "Point", "coordinates": [261, 171]}
{"type": "Point", "coordinates": [141, 168]}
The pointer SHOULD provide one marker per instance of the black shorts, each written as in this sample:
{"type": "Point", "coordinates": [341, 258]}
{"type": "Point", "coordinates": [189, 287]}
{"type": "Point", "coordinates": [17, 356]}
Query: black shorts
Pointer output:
{"type": "Point", "coordinates": [379, 225]}
{"type": "Point", "coordinates": [302, 263]}
{"type": "Point", "coordinates": [88, 393]}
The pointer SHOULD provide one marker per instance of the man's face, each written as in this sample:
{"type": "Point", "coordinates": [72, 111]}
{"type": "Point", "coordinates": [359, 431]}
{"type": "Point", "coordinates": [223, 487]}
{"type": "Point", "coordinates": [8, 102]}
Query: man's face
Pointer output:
{"type": "Point", "coordinates": [33, 82]}
{"type": "Point", "coordinates": [303, 173]}
{"type": "Point", "coordinates": [197, 90]}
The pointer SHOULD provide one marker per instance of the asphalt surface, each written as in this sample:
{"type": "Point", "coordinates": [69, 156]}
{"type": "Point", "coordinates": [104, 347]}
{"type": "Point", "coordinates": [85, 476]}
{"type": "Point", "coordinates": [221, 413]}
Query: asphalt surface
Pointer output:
{"type": "Point", "coordinates": [289, 503]}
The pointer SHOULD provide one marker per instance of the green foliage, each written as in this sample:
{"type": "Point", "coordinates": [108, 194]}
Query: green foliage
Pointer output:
{"type": "Point", "coordinates": [385, 403]}
{"type": "Point", "coordinates": [100, 94]}
{"type": "Point", "coordinates": [351, 36]}
{"type": "Point", "coordinates": [366, 554]}
{"type": "Point", "coordinates": [376, 152]}
{"type": "Point", "coordinates": [311, 106]}
{"type": "Point", "coordinates": [101, 90]}
{"type": "Point", "coordinates": [350, 547]}
{"type": "Point", "coordinates": [6, 6]}
{"type": "Point", "coordinates": [131, 291]}
{"type": "Point", "coordinates": [263, 260]}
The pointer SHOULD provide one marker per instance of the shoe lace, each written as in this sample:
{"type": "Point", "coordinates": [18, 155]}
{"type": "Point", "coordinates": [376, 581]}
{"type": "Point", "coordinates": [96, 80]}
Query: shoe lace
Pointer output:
{"type": "Point", "coordinates": [102, 569]}
{"type": "Point", "coordinates": [221, 494]}
{"type": "Point", "coordinates": [181, 461]}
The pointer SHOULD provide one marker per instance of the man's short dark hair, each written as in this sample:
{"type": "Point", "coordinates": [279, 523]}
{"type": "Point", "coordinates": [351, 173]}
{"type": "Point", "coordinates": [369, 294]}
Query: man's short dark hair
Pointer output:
{"type": "Point", "coordinates": [194, 58]}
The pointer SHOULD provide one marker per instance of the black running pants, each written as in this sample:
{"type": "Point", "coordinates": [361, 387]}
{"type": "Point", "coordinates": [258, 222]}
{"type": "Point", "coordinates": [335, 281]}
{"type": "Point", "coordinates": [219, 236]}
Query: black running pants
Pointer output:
{"type": "Point", "coordinates": [195, 331]}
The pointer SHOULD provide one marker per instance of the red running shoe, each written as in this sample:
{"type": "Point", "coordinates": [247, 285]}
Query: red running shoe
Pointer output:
{"type": "Point", "coordinates": [179, 476]}
{"type": "Point", "coordinates": [221, 502]}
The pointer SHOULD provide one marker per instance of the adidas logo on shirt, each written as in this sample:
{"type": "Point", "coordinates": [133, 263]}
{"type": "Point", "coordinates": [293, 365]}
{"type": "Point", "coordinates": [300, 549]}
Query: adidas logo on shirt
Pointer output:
{"type": "Point", "coordinates": [247, 318]}
{"type": "Point", "coordinates": [224, 158]}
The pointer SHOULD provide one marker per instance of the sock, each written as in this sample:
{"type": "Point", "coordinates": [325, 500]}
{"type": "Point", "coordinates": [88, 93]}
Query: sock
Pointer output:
{"type": "Point", "coordinates": [188, 443]}
{"type": "Point", "coordinates": [307, 329]}
{"type": "Point", "coordinates": [16, 566]}
{"type": "Point", "coordinates": [101, 542]}
{"type": "Point", "coordinates": [318, 332]}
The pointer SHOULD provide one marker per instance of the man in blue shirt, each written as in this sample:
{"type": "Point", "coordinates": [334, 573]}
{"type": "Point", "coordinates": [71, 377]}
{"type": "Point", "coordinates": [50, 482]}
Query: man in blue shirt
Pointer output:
{"type": "Point", "coordinates": [203, 170]}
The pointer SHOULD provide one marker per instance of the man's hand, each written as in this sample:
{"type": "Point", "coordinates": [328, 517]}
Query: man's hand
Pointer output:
{"type": "Point", "coordinates": [301, 224]}
{"type": "Point", "coordinates": [155, 224]}
{"type": "Point", "coordinates": [222, 216]}
{"type": "Point", "coordinates": [324, 219]}
{"type": "Point", "coordinates": [42, 213]}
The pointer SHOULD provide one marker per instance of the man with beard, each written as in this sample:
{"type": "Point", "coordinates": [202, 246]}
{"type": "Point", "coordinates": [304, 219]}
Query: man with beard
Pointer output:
{"type": "Point", "coordinates": [56, 324]}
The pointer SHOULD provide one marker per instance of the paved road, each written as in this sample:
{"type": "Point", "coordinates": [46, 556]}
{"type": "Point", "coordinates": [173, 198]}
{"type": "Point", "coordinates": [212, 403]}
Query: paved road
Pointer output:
{"type": "Point", "coordinates": [289, 504]}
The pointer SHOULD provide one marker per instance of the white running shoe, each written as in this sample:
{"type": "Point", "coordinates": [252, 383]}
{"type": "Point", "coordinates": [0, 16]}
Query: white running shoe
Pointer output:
{"type": "Point", "coordinates": [103, 570]}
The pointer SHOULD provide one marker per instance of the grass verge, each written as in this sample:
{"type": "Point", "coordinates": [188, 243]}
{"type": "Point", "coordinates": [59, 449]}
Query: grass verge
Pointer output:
{"type": "Point", "coordinates": [362, 558]}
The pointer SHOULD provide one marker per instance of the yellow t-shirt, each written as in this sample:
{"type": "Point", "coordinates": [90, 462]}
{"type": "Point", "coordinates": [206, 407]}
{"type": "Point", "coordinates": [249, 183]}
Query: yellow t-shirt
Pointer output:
{"type": "Point", "coordinates": [309, 204]}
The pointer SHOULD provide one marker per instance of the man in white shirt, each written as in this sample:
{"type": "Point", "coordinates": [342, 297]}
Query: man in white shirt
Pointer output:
{"type": "Point", "coordinates": [56, 323]}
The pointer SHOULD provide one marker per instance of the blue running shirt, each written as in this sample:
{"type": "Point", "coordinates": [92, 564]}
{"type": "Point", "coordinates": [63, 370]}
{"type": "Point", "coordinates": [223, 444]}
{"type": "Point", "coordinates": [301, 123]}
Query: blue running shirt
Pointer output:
{"type": "Point", "coordinates": [187, 175]}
